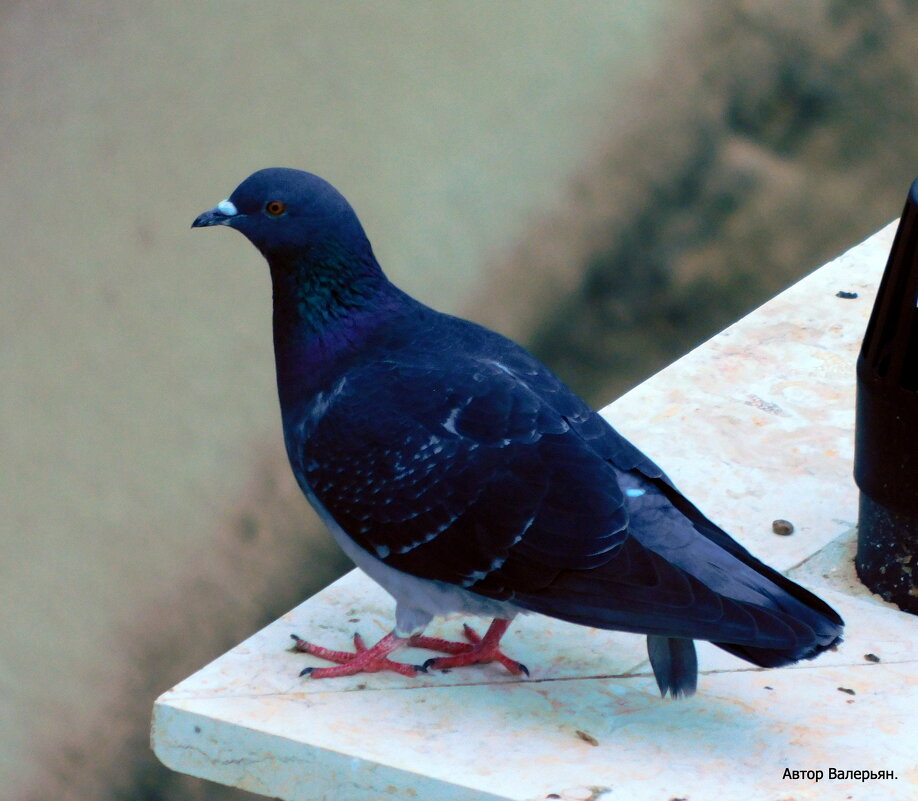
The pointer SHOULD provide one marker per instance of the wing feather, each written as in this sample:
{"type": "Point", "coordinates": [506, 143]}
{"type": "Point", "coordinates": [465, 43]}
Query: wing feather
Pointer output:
{"type": "Point", "coordinates": [469, 477]}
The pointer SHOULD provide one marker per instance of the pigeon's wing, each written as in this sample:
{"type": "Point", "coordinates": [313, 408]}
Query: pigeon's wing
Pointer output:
{"type": "Point", "coordinates": [490, 476]}
{"type": "Point", "coordinates": [464, 475]}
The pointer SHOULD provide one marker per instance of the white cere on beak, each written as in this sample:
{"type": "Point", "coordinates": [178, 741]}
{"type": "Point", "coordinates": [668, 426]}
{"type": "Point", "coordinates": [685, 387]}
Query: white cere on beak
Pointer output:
{"type": "Point", "coordinates": [227, 208]}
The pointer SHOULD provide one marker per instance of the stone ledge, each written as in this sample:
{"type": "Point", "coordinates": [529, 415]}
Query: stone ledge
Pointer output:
{"type": "Point", "coordinates": [754, 425]}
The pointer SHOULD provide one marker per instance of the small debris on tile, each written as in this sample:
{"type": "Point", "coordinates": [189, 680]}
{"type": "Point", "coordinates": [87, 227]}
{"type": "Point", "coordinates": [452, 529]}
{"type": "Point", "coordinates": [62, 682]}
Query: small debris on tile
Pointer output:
{"type": "Point", "coordinates": [581, 793]}
{"type": "Point", "coordinates": [767, 687]}
{"type": "Point", "coordinates": [871, 657]}
{"type": "Point", "coordinates": [846, 690]}
{"type": "Point", "coordinates": [765, 406]}
{"type": "Point", "coordinates": [586, 737]}
{"type": "Point", "coordinates": [846, 295]}
{"type": "Point", "coordinates": [598, 791]}
{"type": "Point", "coordinates": [783, 527]}
{"type": "Point", "coordinates": [353, 620]}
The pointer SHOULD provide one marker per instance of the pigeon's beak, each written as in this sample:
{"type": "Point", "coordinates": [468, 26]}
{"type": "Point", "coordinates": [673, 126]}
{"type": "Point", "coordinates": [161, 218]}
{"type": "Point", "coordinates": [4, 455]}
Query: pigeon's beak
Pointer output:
{"type": "Point", "coordinates": [221, 214]}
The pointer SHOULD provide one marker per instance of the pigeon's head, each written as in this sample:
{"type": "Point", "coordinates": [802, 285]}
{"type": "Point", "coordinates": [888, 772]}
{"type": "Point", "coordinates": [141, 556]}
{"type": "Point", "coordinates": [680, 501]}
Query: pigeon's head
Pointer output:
{"type": "Point", "coordinates": [290, 215]}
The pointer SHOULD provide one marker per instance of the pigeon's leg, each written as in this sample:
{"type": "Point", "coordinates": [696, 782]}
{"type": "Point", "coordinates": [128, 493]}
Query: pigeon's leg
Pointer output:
{"type": "Point", "coordinates": [441, 645]}
{"type": "Point", "coordinates": [481, 649]}
{"type": "Point", "coordinates": [362, 660]}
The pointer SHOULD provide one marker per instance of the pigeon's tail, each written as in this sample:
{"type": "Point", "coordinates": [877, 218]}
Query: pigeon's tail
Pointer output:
{"type": "Point", "coordinates": [803, 609]}
{"type": "Point", "coordinates": [788, 622]}
{"type": "Point", "coordinates": [738, 575]}
{"type": "Point", "coordinates": [674, 663]}
{"type": "Point", "coordinates": [815, 626]}
{"type": "Point", "coordinates": [679, 578]}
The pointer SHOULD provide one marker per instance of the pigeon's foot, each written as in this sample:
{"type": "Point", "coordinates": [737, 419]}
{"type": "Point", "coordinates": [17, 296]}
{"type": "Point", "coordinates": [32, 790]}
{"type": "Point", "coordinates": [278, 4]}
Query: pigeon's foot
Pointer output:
{"type": "Point", "coordinates": [478, 649]}
{"type": "Point", "coordinates": [362, 660]}
{"type": "Point", "coordinates": [372, 660]}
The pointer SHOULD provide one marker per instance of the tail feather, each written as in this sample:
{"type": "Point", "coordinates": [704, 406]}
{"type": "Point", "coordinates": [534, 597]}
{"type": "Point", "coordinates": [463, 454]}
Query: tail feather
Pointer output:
{"type": "Point", "coordinates": [824, 616]}
{"type": "Point", "coordinates": [678, 577]}
{"type": "Point", "coordinates": [776, 657]}
{"type": "Point", "coordinates": [771, 597]}
{"type": "Point", "coordinates": [674, 663]}
{"type": "Point", "coordinates": [818, 625]}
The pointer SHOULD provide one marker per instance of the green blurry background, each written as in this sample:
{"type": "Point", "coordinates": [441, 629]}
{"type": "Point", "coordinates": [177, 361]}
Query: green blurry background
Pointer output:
{"type": "Point", "coordinates": [610, 183]}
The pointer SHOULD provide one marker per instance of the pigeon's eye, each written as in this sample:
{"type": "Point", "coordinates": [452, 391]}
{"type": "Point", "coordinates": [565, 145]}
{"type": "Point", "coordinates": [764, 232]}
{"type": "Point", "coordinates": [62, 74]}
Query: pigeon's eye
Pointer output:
{"type": "Point", "coordinates": [275, 208]}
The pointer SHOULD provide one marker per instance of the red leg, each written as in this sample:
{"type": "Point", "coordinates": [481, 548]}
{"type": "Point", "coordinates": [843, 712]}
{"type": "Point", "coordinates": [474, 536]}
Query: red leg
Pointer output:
{"type": "Point", "coordinates": [481, 649]}
{"type": "Point", "coordinates": [372, 660]}
{"type": "Point", "coordinates": [439, 644]}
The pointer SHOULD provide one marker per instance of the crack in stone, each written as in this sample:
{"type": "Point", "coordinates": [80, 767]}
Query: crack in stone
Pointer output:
{"type": "Point", "coordinates": [630, 674]}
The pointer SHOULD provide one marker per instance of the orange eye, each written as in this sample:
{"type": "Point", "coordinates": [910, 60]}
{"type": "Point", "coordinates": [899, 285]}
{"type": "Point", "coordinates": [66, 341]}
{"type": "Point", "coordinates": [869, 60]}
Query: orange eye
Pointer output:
{"type": "Point", "coordinates": [275, 208]}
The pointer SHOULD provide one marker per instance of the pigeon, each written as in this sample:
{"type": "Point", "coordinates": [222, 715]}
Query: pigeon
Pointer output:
{"type": "Point", "coordinates": [463, 476]}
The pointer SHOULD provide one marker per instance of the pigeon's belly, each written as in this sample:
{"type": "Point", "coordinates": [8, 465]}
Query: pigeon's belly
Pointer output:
{"type": "Point", "coordinates": [418, 600]}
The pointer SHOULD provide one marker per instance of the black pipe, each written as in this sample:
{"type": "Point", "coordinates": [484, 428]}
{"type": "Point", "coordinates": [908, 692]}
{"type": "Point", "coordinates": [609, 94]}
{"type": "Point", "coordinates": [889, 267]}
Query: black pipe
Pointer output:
{"type": "Point", "coordinates": [886, 427]}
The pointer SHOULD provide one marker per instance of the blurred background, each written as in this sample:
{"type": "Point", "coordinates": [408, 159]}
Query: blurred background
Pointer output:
{"type": "Point", "coordinates": [609, 183]}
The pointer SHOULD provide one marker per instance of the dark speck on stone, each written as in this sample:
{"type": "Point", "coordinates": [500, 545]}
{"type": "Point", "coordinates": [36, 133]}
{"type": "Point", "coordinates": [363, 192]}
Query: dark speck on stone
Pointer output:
{"type": "Point", "coordinates": [587, 737]}
{"type": "Point", "coordinates": [871, 658]}
{"type": "Point", "coordinates": [846, 295]}
{"type": "Point", "coordinates": [847, 690]}
{"type": "Point", "coordinates": [783, 527]}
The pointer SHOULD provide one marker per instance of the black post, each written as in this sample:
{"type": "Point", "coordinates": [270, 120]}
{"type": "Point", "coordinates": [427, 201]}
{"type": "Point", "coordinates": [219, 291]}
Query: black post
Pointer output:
{"type": "Point", "coordinates": [886, 429]}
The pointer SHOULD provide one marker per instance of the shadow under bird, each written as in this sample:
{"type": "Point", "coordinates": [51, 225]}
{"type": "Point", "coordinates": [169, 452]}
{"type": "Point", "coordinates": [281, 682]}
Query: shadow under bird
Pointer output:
{"type": "Point", "coordinates": [463, 476]}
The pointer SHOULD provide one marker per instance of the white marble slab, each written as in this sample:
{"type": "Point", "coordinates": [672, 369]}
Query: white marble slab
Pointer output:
{"type": "Point", "coordinates": [755, 425]}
